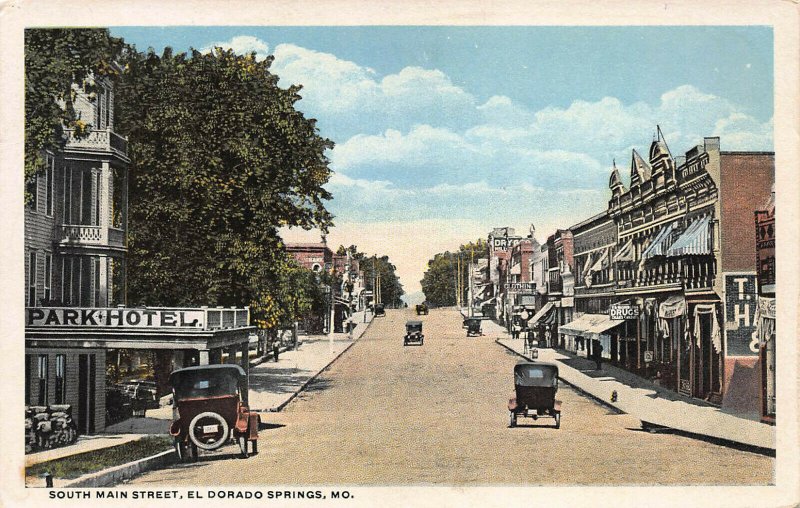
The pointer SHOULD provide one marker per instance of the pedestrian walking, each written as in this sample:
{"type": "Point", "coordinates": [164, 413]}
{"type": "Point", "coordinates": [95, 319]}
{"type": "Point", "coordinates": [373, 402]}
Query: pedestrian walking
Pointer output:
{"type": "Point", "coordinates": [598, 356]}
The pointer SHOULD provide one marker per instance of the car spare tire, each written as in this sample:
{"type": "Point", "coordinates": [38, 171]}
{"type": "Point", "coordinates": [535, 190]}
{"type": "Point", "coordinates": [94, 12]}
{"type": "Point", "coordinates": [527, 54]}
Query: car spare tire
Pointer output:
{"type": "Point", "coordinates": [208, 430]}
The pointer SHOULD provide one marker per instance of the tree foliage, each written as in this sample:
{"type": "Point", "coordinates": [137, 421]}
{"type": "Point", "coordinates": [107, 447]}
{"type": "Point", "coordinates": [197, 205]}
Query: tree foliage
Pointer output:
{"type": "Point", "coordinates": [439, 280]}
{"type": "Point", "coordinates": [55, 59]}
{"type": "Point", "coordinates": [391, 288]}
{"type": "Point", "coordinates": [220, 160]}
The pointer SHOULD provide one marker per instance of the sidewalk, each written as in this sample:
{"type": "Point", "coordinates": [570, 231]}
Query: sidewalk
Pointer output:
{"type": "Point", "coordinates": [272, 386]}
{"type": "Point", "coordinates": [653, 405]}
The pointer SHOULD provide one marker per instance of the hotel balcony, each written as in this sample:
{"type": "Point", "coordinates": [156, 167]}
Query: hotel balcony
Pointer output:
{"type": "Point", "coordinates": [98, 141]}
{"type": "Point", "coordinates": [71, 235]}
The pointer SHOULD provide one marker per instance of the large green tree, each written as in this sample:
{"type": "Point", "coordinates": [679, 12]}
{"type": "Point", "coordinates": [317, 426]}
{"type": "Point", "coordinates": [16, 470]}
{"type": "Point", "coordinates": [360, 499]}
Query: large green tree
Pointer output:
{"type": "Point", "coordinates": [439, 280]}
{"type": "Point", "coordinates": [57, 60]}
{"type": "Point", "coordinates": [220, 160]}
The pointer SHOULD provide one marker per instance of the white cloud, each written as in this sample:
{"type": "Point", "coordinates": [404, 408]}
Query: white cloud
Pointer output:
{"type": "Point", "coordinates": [242, 45]}
{"type": "Point", "coordinates": [421, 160]}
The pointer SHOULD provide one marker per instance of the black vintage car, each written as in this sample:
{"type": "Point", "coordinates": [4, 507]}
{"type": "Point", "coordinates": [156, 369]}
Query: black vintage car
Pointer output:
{"type": "Point", "coordinates": [535, 387]}
{"type": "Point", "coordinates": [413, 333]}
{"type": "Point", "coordinates": [422, 309]}
{"type": "Point", "coordinates": [473, 326]}
{"type": "Point", "coordinates": [379, 309]}
{"type": "Point", "coordinates": [211, 410]}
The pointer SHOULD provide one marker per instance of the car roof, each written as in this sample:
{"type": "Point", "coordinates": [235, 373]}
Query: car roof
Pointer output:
{"type": "Point", "coordinates": [216, 367]}
{"type": "Point", "coordinates": [413, 323]}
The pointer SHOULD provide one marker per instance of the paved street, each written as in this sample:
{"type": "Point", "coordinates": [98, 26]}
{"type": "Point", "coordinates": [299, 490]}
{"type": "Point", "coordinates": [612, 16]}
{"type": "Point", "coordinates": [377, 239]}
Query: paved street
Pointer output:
{"type": "Point", "coordinates": [385, 414]}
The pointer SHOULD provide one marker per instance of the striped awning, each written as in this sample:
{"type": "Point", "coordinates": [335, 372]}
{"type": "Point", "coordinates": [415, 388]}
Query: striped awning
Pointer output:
{"type": "Point", "coordinates": [695, 241]}
{"type": "Point", "coordinates": [539, 315]}
{"type": "Point", "coordinates": [658, 246]}
{"type": "Point", "coordinates": [626, 252]}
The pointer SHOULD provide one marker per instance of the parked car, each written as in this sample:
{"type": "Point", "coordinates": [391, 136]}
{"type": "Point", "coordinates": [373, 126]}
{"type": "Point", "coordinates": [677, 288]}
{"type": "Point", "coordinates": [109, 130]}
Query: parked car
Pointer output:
{"type": "Point", "coordinates": [473, 326]}
{"type": "Point", "coordinates": [413, 333]}
{"type": "Point", "coordinates": [422, 309]}
{"type": "Point", "coordinates": [535, 387]}
{"type": "Point", "coordinates": [380, 310]}
{"type": "Point", "coordinates": [210, 410]}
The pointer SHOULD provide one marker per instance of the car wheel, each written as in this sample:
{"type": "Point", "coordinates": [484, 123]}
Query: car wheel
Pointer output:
{"type": "Point", "coordinates": [513, 422]}
{"type": "Point", "coordinates": [180, 449]}
{"type": "Point", "coordinates": [558, 420]}
{"type": "Point", "coordinates": [243, 446]}
{"type": "Point", "coordinates": [255, 446]}
{"type": "Point", "coordinates": [192, 452]}
{"type": "Point", "coordinates": [212, 440]}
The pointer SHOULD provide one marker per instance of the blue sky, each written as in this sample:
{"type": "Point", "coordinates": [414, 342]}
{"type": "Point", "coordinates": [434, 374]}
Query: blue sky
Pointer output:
{"type": "Point", "coordinates": [445, 132]}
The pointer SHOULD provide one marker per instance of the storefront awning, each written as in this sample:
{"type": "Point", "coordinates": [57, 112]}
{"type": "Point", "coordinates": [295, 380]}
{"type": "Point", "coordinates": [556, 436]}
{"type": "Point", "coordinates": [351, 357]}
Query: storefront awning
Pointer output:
{"type": "Point", "coordinates": [490, 301]}
{"type": "Point", "coordinates": [695, 241]}
{"type": "Point", "coordinates": [589, 325]}
{"type": "Point", "coordinates": [672, 307]}
{"type": "Point", "coordinates": [626, 252]}
{"type": "Point", "coordinates": [658, 246]}
{"type": "Point", "coordinates": [542, 312]}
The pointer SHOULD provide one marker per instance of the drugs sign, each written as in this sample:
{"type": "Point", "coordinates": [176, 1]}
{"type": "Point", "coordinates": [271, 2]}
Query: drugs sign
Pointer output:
{"type": "Point", "coordinates": [623, 312]}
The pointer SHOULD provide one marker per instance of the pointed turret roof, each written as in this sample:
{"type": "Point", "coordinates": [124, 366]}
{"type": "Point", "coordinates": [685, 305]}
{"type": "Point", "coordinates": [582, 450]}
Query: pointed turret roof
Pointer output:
{"type": "Point", "coordinates": [639, 168]}
{"type": "Point", "coordinates": [615, 180]}
{"type": "Point", "coordinates": [659, 146]}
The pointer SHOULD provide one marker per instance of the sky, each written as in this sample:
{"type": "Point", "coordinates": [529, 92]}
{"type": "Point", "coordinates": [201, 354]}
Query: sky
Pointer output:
{"type": "Point", "coordinates": [442, 133]}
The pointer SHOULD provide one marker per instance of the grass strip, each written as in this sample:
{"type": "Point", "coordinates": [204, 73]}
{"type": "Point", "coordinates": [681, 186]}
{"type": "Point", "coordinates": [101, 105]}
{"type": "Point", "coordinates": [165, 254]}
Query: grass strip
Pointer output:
{"type": "Point", "coordinates": [89, 462]}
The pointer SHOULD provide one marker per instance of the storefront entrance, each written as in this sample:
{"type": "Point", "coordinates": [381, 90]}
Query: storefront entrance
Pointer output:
{"type": "Point", "coordinates": [86, 393]}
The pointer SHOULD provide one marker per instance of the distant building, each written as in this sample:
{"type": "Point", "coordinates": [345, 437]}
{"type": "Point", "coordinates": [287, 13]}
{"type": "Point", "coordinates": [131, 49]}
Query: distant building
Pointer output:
{"type": "Point", "coordinates": [317, 257]}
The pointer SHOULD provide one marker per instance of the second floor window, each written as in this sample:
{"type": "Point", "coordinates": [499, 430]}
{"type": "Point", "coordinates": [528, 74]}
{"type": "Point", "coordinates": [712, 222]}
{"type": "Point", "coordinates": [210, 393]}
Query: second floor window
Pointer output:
{"type": "Point", "coordinates": [32, 262]}
{"type": "Point", "coordinates": [48, 275]}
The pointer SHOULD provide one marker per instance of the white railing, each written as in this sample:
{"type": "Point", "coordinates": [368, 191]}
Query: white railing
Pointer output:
{"type": "Point", "coordinates": [104, 140]}
{"type": "Point", "coordinates": [81, 234]}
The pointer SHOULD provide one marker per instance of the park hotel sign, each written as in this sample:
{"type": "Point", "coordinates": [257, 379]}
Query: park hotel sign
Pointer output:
{"type": "Point", "coordinates": [115, 317]}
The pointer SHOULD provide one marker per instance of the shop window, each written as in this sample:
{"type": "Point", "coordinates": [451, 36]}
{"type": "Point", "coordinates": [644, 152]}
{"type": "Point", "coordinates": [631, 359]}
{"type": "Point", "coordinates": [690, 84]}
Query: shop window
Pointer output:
{"type": "Point", "coordinates": [32, 262]}
{"type": "Point", "coordinates": [28, 359]}
{"type": "Point", "coordinates": [61, 387]}
{"type": "Point", "coordinates": [42, 380]}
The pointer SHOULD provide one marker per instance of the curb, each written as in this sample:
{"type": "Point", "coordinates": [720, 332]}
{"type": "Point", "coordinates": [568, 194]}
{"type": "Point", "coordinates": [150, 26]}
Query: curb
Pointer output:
{"type": "Point", "coordinates": [117, 474]}
{"type": "Point", "coordinates": [654, 428]}
{"type": "Point", "coordinates": [597, 399]}
{"type": "Point", "coordinates": [302, 388]}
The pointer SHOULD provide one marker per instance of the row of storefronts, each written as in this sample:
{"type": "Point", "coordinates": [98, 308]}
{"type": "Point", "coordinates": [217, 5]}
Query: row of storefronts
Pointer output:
{"type": "Point", "coordinates": [664, 282]}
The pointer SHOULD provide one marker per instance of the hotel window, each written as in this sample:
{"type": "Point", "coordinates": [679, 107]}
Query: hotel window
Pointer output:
{"type": "Point", "coordinates": [32, 262]}
{"type": "Point", "coordinates": [66, 277]}
{"type": "Point", "coordinates": [67, 219]}
{"type": "Point", "coordinates": [48, 275]}
{"type": "Point", "coordinates": [61, 369]}
{"type": "Point", "coordinates": [49, 185]}
{"type": "Point", "coordinates": [32, 188]}
{"type": "Point", "coordinates": [42, 376]}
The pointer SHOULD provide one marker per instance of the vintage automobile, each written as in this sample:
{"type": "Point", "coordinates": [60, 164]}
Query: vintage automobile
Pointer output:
{"type": "Point", "coordinates": [473, 326]}
{"type": "Point", "coordinates": [380, 309]}
{"type": "Point", "coordinates": [210, 409]}
{"type": "Point", "coordinates": [422, 309]}
{"type": "Point", "coordinates": [535, 386]}
{"type": "Point", "coordinates": [413, 333]}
